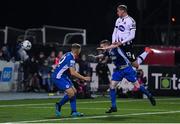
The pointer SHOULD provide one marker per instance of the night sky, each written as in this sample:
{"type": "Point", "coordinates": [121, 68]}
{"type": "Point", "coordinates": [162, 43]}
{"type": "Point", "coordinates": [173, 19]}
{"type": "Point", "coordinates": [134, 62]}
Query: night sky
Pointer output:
{"type": "Point", "coordinates": [97, 16]}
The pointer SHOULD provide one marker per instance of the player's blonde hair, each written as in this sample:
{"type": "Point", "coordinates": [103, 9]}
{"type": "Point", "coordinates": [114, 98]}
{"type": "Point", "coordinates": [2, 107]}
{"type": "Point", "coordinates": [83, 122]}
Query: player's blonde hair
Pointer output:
{"type": "Point", "coordinates": [76, 46]}
{"type": "Point", "coordinates": [122, 7]}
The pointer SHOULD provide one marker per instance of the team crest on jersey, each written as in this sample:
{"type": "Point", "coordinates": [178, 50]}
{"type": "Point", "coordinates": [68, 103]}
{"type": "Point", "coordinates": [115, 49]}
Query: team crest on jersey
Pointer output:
{"type": "Point", "coordinates": [121, 28]}
{"type": "Point", "coordinates": [67, 86]}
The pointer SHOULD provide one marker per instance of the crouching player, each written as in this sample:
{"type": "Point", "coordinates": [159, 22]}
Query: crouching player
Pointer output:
{"type": "Point", "coordinates": [123, 70]}
{"type": "Point", "coordinates": [61, 79]}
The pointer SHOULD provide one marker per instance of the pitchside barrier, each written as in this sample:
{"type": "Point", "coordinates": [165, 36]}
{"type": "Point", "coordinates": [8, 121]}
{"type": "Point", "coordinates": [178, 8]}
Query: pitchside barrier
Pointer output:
{"type": "Point", "coordinates": [162, 80]}
{"type": "Point", "coordinates": [8, 75]}
{"type": "Point", "coordinates": [124, 85]}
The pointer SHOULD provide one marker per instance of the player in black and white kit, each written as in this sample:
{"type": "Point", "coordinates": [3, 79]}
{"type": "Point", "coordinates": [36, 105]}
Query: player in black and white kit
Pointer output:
{"type": "Point", "coordinates": [123, 35]}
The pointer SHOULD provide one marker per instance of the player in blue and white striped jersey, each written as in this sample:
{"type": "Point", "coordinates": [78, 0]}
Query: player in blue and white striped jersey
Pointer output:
{"type": "Point", "coordinates": [61, 79]}
{"type": "Point", "coordinates": [123, 70]}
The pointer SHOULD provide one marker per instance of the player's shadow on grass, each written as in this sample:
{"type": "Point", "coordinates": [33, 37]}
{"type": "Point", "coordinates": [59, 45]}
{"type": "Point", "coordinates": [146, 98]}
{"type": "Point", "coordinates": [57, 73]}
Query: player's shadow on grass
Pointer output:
{"type": "Point", "coordinates": [54, 117]}
{"type": "Point", "coordinates": [106, 119]}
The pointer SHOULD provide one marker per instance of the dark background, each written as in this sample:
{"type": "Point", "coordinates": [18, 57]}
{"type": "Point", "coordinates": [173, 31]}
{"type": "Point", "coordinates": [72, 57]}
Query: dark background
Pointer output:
{"type": "Point", "coordinates": [97, 16]}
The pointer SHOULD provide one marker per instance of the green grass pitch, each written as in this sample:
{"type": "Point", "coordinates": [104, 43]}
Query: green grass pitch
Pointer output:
{"type": "Point", "coordinates": [129, 111]}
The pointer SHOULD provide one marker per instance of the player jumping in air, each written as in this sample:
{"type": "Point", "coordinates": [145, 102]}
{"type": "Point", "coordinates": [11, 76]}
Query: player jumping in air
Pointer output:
{"type": "Point", "coordinates": [124, 33]}
{"type": "Point", "coordinates": [123, 70]}
{"type": "Point", "coordinates": [61, 79]}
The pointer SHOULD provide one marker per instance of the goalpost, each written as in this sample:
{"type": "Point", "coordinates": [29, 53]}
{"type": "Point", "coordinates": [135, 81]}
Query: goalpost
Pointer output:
{"type": "Point", "coordinates": [56, 35]}
{"type": "Point", "coordinates": [63, 35]}
{"type": "Point", "coordinates": [45, 35]}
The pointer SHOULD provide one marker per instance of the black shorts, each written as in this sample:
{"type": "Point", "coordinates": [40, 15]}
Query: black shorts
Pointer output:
{"type": "Point", "coordinates": [129, 50]}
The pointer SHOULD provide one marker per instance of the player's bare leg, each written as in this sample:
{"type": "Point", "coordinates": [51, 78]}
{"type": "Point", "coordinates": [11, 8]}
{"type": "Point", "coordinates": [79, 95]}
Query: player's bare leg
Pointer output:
{"type": "Point", "coordinates": [70, 92]}
{"type": "Point", "coordinates": [135, 64]}
{"type": "Point", "coordinates": [74, 89]}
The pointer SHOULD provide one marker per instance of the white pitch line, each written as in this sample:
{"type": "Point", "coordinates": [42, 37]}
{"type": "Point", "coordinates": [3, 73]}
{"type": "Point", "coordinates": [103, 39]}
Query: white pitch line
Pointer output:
{"type": "Point", "coordinates": [173, 103]}
{"type": "Point", "coordinates": [101, 116]}
{"type": "Point", "coordinates": [118, 101]}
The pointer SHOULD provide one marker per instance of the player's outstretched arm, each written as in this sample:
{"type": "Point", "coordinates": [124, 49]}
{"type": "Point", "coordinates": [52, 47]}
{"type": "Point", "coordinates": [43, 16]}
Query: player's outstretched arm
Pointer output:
{"type": "Point", "coordinates": [117, 44]}
{"type": "Point", "coordinates": [113, 45]}
{"type": "Point", "coordinates": [97, 56]}
{"type": "Point", "coordinates": [76, 74]}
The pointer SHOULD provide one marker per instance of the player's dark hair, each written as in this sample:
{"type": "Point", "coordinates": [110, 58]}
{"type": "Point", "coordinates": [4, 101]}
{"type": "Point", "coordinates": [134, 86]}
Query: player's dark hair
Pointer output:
{"type": "Point", "coordinates": [122, 7]}
{"type": "Point", "coordinates": [105, 42]}
{"type": "Point", "coordinates": [76, 46]}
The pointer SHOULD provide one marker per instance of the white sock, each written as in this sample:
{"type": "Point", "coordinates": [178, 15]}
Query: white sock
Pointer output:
{"type": "Point", "coordinates": [142, 57]}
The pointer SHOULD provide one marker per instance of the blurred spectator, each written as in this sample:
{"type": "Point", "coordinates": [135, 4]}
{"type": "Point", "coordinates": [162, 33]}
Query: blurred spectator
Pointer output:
{"type": "Point", "coordinates": [51, 59]}
{"type": "Point", "coordinates": [16, 49]}
{"type": "Point", "coordinates": [83, 88]}
{"type": "Point", "coordinates": [6, 53]}
{"type": "Point", "coordinates": [23, 57]}
{"type": "Point", "coordinates": [45, 72]}
{"type": "Point", "coordinates": [21, 54]}
{"type": "Point", "coordinates": [141, 78]}
{"type": "Point", "coordinates": [124, 88]}
{"type": "Point", "coordinates": [84, 66]}
{"type": "Point", "coordinates": [59, 56]}
{"type": "Point", "coordinates": [20, 79]}
{"type": "Point", "coordinates": [103, 59]}
{"type": "Point", "coordinates": [34, 83]}
{"type": "Point", "coordinates": [41, 58]}
{"type": "Point", "coordinates": [1, 55]}
{"type": "Point", "coordinates": [103, 72]}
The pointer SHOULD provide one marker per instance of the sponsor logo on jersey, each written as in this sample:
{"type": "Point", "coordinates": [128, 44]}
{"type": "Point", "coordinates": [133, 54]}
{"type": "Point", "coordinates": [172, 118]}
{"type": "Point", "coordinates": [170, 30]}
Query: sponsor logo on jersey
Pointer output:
{"type": "Point", "coordinates": [121, 28]}
{"type": "Point", "coordinates": [67, 86]}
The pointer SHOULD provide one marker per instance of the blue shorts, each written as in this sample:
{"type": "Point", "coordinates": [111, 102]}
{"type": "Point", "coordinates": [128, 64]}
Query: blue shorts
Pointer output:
{"type": "Point", "coordinates": [63, 83]}
{"type": "Point", "coordinates": [127, 73]}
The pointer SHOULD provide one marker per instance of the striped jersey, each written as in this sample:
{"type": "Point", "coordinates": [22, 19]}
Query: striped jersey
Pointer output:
{"type": "Point", "coordinates": [65, 63]}
{"type": "Point", "coordinates": [118, 57]}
